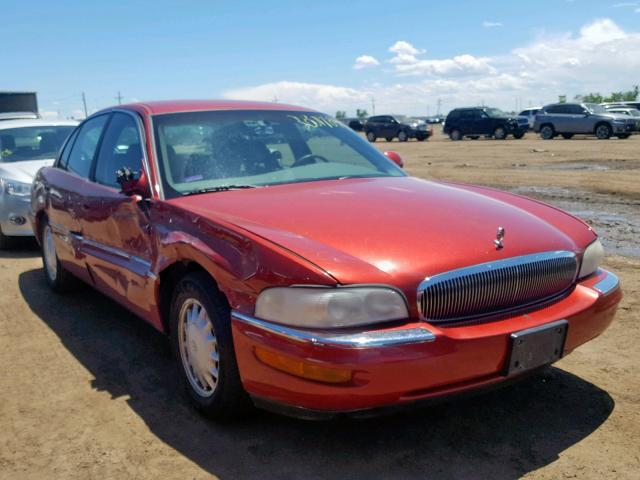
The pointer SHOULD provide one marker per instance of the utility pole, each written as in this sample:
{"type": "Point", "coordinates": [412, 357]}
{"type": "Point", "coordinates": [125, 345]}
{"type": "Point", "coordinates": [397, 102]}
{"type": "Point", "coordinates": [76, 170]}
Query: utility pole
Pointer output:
{"type": "Point", "coordinates": [373, 105]}
{"type": "Point", "coordinates": [439, 106]}
{"type": "Point", "coordinates": [119, 98]}
{"type": "Point", "coordinates": [84, 103]}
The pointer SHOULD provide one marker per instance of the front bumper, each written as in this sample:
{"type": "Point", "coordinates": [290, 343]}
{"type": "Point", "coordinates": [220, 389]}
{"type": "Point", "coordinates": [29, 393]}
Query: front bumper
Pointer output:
{"type": "Point", "coordinates": [401, 365]}
{"type": "Point", "coordinates": [14, 215]}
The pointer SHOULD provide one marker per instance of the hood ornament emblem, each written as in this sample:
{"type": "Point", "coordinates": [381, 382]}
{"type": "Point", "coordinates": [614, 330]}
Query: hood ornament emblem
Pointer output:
{"type": "Point", "coordinates": [499, 237]}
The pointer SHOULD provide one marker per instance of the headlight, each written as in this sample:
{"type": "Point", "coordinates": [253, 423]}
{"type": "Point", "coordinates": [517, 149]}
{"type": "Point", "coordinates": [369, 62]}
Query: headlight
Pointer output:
{"type": "Point", "coordinates": [18, 189]}
{"type": "Point", "coordinates": [591, 259]}
{"type": "Point", "coordinates": [318, 307]}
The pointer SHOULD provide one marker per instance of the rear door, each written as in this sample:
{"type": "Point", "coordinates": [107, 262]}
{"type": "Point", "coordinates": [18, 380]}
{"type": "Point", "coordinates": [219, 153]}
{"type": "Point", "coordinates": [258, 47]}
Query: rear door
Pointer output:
{"type": "Point", "coordinates": [67, 192]}
{"type": "Point", "coordinates": [116, 231]}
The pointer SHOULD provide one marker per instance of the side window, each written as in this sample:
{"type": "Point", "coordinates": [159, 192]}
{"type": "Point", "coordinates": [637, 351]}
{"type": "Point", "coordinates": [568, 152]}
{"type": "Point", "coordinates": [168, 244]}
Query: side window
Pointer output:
{"type": "Point", "coordinates": [374, 119]}
{"type": "Point", "coordinates": [576, 109]}
{"type": "Point", "coordinates": [454, 115]}
{"type": "Point", "coordinates": [554, 109]}
{"type": "Point", "coordinates": [84, 148]}
{"type": "Point", "coordinates": [64, 156]}
{"type": "Point", "coordinates": [120, 148]}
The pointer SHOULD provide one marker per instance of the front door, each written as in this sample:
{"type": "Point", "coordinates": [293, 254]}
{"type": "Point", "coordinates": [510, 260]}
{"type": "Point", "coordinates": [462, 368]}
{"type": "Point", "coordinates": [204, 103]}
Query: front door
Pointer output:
{"type": "Point", "coordinates": [116, 231]}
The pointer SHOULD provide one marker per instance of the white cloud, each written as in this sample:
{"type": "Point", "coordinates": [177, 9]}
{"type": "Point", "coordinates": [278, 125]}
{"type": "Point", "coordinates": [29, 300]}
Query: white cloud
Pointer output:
{"type": "Point", "coordinates": [488, 24]}
{"type": "Point", "coordinates": [49, 114]}
{"type": "Point", "coordinates": [320, 96]}
{"type": "Point", "coordinates": [365, 61]}
{"type": "Point", "coordinates": [601, 57]}
{"type": "Point", "coordinates": [404, 48]}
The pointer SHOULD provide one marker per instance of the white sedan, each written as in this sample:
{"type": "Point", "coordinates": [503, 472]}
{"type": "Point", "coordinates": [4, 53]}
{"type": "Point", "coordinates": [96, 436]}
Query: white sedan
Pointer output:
{"type": "Point", "coordinates": [26, 145]}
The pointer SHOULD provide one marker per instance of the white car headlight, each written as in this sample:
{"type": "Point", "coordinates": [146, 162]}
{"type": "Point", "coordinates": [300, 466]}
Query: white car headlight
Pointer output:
{"type": "Point", "coordinates": [591, 259]}
{"type": "Point", "coordinates": [319, 307]}
{"type": "Point", "coordinates": [18, 189]}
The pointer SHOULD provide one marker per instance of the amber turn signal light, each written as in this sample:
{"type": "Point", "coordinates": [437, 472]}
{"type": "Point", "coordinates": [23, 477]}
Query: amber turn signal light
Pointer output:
{"type": "Point", "coordinates": [300, 368]}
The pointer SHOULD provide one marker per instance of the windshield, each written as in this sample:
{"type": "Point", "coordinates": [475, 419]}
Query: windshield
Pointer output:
{"type": "Point", "coordinates": [32, 143]}
{"type": "Point", "coordinates": [406, 120]}
{"type": "Point", "coordinates": [495, 113]}
{"type": "Point", "coordinates": [204, 150]}
{"type": "Point", "coordinates": [595, 108]}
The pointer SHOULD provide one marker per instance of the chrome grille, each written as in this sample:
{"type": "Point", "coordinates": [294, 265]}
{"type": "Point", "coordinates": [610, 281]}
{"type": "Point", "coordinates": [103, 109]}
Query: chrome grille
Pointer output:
{"type": "Point", "coordinates": [496, 287]}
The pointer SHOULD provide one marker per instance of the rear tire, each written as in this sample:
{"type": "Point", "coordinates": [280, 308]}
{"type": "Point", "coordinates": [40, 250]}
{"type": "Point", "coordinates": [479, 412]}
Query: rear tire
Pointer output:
{"type": "Point", "coordinates": [603, 131]}
{"type": "Point", "coordinates": [200, 328]}
{"type": "Point", "coordinates": [623, 136]}
{"type": "Point", "coordinates": [371, 136]}
{"type": "Point", "coordinates": [59, 279]}
{"type": "Point", "coordinates": [389, 139]}
{"type": "Point", "coordinates": [402, 136]}
{"type": "Point", "coordinates": [547, 132]}
{"type": "Point", "coordinates": [455, 135]}
{"type": "Point", "coordinates": [567, 136]}
{"type": "Point", "coordinates": [474, 137]}
{"type": "Point", "coordinates": [518, 136]}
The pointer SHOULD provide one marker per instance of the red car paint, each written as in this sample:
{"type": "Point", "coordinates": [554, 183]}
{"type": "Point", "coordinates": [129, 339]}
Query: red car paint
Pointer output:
{"type": "Point", "coordinates": [390, 230]}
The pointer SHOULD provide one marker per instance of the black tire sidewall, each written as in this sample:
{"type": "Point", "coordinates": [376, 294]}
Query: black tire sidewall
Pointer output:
{"type": "Point", "coordinates": [371, 136]}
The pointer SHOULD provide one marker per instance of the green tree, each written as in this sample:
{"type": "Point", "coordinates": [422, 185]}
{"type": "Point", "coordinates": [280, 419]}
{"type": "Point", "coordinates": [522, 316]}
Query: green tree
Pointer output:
{"type": "Point", "coordinates": [562, 99]}
{"type": "Point", "coordinates": [361, 114]}
{"type": "Point", "coordinates": [341, 115]}
{"type": "Point", "coordinates": [590, 98]}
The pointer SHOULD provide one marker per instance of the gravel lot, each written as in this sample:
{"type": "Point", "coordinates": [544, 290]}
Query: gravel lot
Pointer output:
{"type": "Point", "coordinates": [87, 390]}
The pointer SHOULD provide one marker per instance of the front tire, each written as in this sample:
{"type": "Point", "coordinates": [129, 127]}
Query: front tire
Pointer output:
{"type": "Point", "coordinates": [518, 136]}
{"type": "Point", "coordinates": [500, 133]}
{"type": "Point", "coordinates": [59, 279]}
{"type": "Point", "coordinates": [203, 347]}
{"type": "Point", "coordinates": [623, 136]}
{"type": "Point", "coordinates": [603, 131]}
{"type": "Point", "coordinates": [371, 136]}
{"type": "Point", "coordinates": [567, 136]}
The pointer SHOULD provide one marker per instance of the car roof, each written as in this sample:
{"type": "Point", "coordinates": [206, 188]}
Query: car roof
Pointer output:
{"type": "Point", "coordinates": [176, 106]}
{"type": "Point", "coordinates": [35, 122]}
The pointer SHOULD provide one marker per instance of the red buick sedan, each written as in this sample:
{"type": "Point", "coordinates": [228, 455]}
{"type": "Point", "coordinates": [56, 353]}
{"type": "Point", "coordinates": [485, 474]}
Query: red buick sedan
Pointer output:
{"type": "Point", "coordinates": [294, 266]}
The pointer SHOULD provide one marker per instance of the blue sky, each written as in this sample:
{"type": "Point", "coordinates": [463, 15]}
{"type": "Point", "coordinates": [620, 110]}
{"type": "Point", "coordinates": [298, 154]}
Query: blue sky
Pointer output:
{"type": "Point", "coordinates": [499, 52]}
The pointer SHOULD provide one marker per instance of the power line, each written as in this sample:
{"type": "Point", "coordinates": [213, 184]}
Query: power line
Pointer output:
{"type": "Point", "coordinates": [119, 98]}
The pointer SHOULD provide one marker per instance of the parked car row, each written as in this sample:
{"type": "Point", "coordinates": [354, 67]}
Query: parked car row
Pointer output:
{"type": "Point", "coordinates": [27, 143]}
{"type": "Point", "coordinates": [396, 126]}
{"type": "Point", "coordinates": [249, 234]}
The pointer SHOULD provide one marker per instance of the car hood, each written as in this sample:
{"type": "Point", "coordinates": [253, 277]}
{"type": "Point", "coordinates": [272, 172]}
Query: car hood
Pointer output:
{"type": "Point", "coordinates": [23, 171]}
{"type": "Point", "coordinates": [395, 230]}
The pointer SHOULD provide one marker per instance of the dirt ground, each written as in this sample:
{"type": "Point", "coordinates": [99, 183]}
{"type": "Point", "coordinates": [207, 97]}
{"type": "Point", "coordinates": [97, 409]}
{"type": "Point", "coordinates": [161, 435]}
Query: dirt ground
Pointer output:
{"type": "Point", "coordinates": [88, 391]}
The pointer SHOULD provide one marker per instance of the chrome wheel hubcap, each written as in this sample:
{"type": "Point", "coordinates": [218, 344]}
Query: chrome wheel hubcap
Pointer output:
{"type": "Point", "coordinates": [49, 250]}
{"type": "Point", "coordinates": [198, 347]}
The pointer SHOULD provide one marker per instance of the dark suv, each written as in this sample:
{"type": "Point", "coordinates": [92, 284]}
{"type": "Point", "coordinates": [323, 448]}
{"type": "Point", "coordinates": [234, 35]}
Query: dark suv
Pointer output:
{"type": "Point", "coordinates": [483, 121]}
{"type": "Point", "coordinates": [396, 126]}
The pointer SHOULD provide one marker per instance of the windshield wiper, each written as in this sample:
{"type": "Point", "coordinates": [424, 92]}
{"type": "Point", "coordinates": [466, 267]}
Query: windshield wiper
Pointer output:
{"type": "Point", "coordinates": [219, 188]}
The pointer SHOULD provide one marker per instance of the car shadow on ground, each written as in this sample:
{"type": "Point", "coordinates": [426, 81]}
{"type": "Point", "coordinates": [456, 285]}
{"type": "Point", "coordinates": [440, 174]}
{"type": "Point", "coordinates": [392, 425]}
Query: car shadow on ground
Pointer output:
{"type": "Point", "coordinates": [499, 435]}
{"type": "Point", "coordinates": [21, 248]}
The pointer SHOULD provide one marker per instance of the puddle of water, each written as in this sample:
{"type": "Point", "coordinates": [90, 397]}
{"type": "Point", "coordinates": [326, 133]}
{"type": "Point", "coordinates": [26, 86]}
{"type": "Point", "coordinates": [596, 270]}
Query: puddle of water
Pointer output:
{"type": "Point", "coordinates": [617, 222]}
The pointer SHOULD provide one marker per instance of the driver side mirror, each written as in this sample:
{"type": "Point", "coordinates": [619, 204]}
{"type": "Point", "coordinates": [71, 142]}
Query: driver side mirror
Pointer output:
{"type": "Point", "coordinates": [132, 183]}
{"type": "Point", "coordinates": [395, 158]}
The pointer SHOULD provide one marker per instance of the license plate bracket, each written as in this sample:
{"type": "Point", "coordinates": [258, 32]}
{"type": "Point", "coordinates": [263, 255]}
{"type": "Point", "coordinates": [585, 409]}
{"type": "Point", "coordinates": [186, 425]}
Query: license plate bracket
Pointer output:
{"type": "Point", "coordinates": [535, 347]}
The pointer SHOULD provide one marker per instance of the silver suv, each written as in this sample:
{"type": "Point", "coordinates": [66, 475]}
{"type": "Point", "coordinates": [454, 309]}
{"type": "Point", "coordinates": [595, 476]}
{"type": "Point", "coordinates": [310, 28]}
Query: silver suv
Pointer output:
{"type": "Point", "coordinates": [567, 119]}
